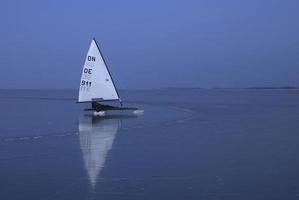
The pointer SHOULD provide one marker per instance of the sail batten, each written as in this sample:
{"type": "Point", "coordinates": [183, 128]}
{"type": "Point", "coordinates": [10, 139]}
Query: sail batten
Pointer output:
{"type": "Point", "coordinates": [96, 82]}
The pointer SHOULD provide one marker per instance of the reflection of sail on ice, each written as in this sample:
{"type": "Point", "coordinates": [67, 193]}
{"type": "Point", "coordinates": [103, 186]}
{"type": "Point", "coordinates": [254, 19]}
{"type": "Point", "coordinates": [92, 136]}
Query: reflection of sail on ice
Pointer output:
{"type": "Point", "coordinates": [96, 139]}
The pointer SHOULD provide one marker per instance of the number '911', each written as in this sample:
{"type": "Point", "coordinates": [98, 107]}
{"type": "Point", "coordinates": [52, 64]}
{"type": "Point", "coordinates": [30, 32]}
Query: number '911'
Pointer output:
{"type": "Point", "coordinates": [86, 83]}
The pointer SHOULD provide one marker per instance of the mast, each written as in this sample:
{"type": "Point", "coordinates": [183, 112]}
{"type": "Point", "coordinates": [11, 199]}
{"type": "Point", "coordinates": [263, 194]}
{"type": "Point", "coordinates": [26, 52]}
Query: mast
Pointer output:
{"type": "Point", "coordinates": [119, 99]}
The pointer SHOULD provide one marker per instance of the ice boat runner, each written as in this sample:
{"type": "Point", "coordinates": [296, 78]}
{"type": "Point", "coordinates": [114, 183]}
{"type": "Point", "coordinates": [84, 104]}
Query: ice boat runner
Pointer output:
{"type": "Point", "coordinates": [96, 85]}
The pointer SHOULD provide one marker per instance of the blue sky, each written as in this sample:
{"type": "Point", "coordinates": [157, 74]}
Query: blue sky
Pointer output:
{"type": "Point", "coordinates": [151, 44]}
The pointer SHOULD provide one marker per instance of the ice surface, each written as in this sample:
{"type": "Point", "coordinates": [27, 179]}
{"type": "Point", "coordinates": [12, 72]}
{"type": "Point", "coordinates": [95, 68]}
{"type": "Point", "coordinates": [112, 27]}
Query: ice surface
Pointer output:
{"type": "Point", "coordinates": [189, 144]}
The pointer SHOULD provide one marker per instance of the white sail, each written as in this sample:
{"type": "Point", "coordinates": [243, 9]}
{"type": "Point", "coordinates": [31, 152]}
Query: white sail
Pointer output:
{"type": "Point", "coordinates": [96, 82]}
{"type": "Point", "coordinates": [96, 139]}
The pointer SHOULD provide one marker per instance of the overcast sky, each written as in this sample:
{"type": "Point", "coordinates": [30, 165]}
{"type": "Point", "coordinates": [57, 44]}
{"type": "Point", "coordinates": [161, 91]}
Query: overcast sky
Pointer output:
{"type": "Point", "coordinates": [151, 44]}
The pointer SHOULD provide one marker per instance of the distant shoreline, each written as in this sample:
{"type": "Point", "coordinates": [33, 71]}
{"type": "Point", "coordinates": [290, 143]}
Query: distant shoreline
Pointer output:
{"type": "Point", "coordinates": [273, 88]}
{"type": "Point", "coordinates": [246, 88]}
{"type": "Point", "coordinates": [166, 88]}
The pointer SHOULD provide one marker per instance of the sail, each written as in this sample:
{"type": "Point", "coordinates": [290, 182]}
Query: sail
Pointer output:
{"type": "Point", "coordinates": [96, 82]}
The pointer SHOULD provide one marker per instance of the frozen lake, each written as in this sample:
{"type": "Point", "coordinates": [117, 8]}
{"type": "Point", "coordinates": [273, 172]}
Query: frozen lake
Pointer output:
{"type": "Point", "coordinates": [189, 144]}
